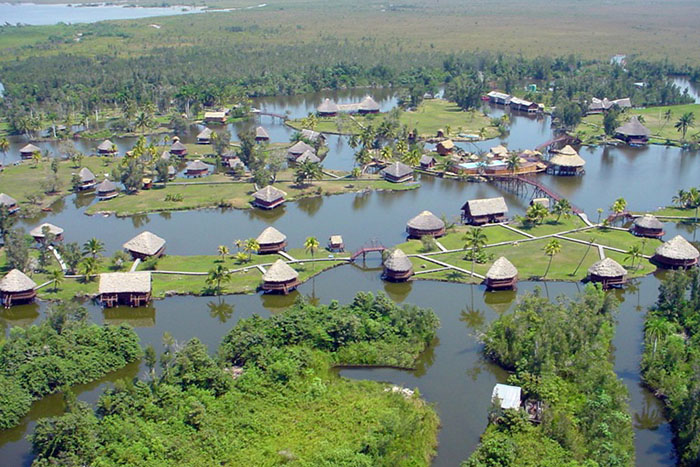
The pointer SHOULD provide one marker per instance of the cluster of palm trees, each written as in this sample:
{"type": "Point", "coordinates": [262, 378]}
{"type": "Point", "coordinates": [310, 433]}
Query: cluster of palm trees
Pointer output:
{"type": "Point", "coordinates": [537, 213]}
{"type": "Point", "coordinates": [688, 199]}
{"type": "Point", "coordinates": [370, 138]}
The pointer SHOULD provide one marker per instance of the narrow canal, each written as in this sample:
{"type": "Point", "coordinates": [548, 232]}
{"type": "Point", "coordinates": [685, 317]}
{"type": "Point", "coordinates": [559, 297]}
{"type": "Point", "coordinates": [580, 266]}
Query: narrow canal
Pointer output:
{"type": "Point", "coordinates": [452, 373]}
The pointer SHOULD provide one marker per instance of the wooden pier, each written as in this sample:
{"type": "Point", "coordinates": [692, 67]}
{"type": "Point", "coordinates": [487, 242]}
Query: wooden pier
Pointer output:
{"type": "Point", "coordinates": [520, 185]}
{"type": "Point", "coordinates": [369, 247]}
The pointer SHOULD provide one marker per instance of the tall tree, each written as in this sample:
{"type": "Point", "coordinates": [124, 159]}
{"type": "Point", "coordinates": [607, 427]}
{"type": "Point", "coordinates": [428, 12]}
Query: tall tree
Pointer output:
{"type": "Point", "coordinates": [686, 121]}
{"type": "Point", "coordinates": [93, 247]}
{"type": "Point", "coordinates": [551, 249]}
{"type": "Point", "coordinates": [474, 239]}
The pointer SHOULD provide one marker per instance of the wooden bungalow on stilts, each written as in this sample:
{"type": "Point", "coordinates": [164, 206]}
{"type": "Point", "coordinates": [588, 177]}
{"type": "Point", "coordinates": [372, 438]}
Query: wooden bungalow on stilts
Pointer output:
{"type": "Point", "coordinates": [368, 106]}
{"type": "Point", "coordinates": [38, 232]}
{"type": "Point", "coordinates": [647, 226]}
{"type": "Point", "coordinates": [177, 148]}
{"type": "Point", "coordinates": [280, 278]}
{"type": "Point", "coordinates": [145, 245]}
{"type": "Point", "coordinates": [328, 108]}
{"type": "Point", "coordinates": [204, 136]}
{"type": "Point", "coordinates": [87, 179]}
{"type": "Point", "coordinates": [216, 117]}
{"type": "Point", "coordinates": [397, 172]}
{"type": "Point", "coordinates": [484, 211]}
{"type": "Point", "coordinates": [425, 224]}
{"type": "Point", "coordinates": [397, 267]}
{"type": "Point", "coordinates": [107, 148]}
{"type": "Point", "coordinates": [261, 135]}
{"type": "Point", "coordinates": [26, 152]}
{"type": "Point", "coordinates": [565, 162]}
{"type": "Point", "coordinates": [125, 288]}
{"type": "Point", "coordinates": [336, 244]}
{"type": "Point", "coordinates": [268, 198]}
{"type": "Point", "coordinates": [633, 132]}
{"type": "Point", "coordinates": [16, 288]}
{"type": "Point", "coordinates": [271, 240]}
{"type": "Point", "coordinates": [106, 190]}
{"type": "Point", "coordinates": [9, 202]}
{"type": "Point", "coordinates": [676, 253]}
{"type": "Point", "coordinates": [502, 275]}
{"type": "Point", "coordinates": [196, 168]}
{"type": "Point", "coordinates": [427, 162]}
{"type": "Point", "coordinates": [298, 149]}
{"type": "Point", "coordinates": [607, 272]}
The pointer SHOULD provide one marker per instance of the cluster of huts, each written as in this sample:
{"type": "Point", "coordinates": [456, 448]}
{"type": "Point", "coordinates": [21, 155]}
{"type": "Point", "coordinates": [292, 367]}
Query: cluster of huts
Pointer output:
{"type": "Point", "coordinates": [598, 106]}
{"type": "Point", "coordinates": [515, 103]}
{"type": "Point", "coordinates": [329, 108]}
{"type": "Point", "coordinates": [302, 151]}
{"type": "Point", "coordinates": [494, 162]}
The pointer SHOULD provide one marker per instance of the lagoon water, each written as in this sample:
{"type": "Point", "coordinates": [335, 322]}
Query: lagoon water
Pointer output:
{"type": "Point", "coordinates": [452, 374]}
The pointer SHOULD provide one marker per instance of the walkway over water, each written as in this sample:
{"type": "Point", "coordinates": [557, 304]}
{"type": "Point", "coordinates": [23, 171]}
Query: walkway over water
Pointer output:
{"type": "Point", "coordinates": [369, 247]}
{"type": "Point", "coordinates": [518, 184]}
{"type": "Point", "coordinates": [268, 114]}
{"type": "Point", "coordinates": [557, 140]}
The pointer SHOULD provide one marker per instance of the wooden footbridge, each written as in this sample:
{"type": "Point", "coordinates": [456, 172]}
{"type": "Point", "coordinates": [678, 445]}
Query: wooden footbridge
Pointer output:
{"type": "Point", "coordinates": [369, 247]}
{"type": "Point", "coordinates": [520, 184]}
{"type": "Point", "coordinates": [560, 140]}
{"type": "Point", "coordinates": [269, 114]}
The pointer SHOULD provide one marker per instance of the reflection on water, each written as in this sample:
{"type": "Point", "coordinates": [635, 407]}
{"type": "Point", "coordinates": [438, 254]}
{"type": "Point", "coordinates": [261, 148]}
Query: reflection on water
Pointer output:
{"type": "Point", "coordinates": [142, 317]}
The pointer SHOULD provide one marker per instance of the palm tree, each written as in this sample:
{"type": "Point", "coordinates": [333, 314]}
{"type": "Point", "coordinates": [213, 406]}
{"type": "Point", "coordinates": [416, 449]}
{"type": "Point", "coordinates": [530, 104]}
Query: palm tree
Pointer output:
{"type": "Point", "coordinates": [93, 247]}
{"type": "Point", "coordinates": [686, 121]}
{"type": "Point", "coordinates": [562, 208]}
{"type": "Point", "coordinates": [216, 276]}
{"type": "Point", "coordinates": [633, 254]}
{"type": "Point", "coordinates": [386, 154]}
{"type": "Point", "coordinates": [536, 213]}
{"type": "Point", "coordinates": [513, 163]}
{"type": "Point", "coordinates": [656, 328]}
{"type": "Point", "coordinates": [619, 206]}
{"type": "Point", "coordinates": [251, 246]}
{"type": "Point", "coordinates": [4, 147]}
{"type": "Point", "coordinates": [57, 278]}
{"type": "Point", "coordinates": [412, 157]}
{"type": "Point", "coordinates": [668, 115]}
{"type": "Point", "coordinates": [681, 198]}
{"type": "Point", "coordinates": [239, 244]}
{"type": "Point", "coordinates": [36, 158]}
{"type": "Point", "coordinates": [552, 248]}
{"type": "Point", "coordinates": [474, 239]}
{"type": "Point", "coordinates": [89, 267]}
{"type": "Point", "coordinates": [143, 121]}
{"type": "Point", "coordinates": [311, 245]}
{"type": "Point", "coordinates": [600, 212]}
{"type": "Point", "coordinates": [223, 252]}
{"type": "Point", "coordinates": [308, 170]}
{"type": "Point", "coordinates": [693, 200]}
{"type": "Point", "coordinates": [590, 244]}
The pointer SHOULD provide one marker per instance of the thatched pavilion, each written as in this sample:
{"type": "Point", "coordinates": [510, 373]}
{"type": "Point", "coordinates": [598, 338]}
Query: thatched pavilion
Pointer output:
{"type": "Point", "coordinates": [297, 149]}
{"type": "Point", "coordinates": [271, 240]}
{"type": "Point", "coordinates": [484, 211]}
{"type": "Point", "coordinates": [566, 162]}
{"type": "Point", "coordinates": [308, 156]}
{"type": "Point", "coordinates": [26, 152]}
{"type": "Point", "coordinates": [397, 172]}
{"type": "Point", "coordinates": [608, 272]}
{"type": "Point", "coordinates": [107, 190]}
{"type": "Point", "coordinates": [425, 224]}
{"type": "Point", "coordinates": [328, 108]}
{"type": "Point", "coordinates": [16, 288]}
{"type": "Point", "coordinates": [38, 232]}
{"type": "Point", "coordinates": [261, 134]}
{"type": "Point", "coordinates": [107, 148]}
{"type": "Point", "coordinates": [9, 202]}
{"type": "Point", "coordinates": [204, 136]}
{"type": "Point", "coordinates": [178, 149]}
{"type": "Point", "coordinates": [268, 197]}
{"type": "Point", "coordinates": [368, 106]}
{"type": "Point", "coordinates": [196, 168]}
{"type": "Point", "coordinates": [87, 179]}
{"type": "Point", "coordinates": [335, 243]}
{"type": "Point", "coordinates": [312, 136]}
{"type": "Point", "coordinates": [125, 288]}
{"type": "Point", "coordinates": [218, 117]}
{"type": "Point", "coordinates": [501, 275]}
{"type": "Point", "coordinates": [648, 226]}
{"type": "Point", "coordinates": [144, 245]}
{"type": "Point", "coordinates": [633, 132]}
{"type": "Point", "coordinates": [445, 147]}
{"type": "Point", "coordinates": [280, 277]}
{"type": "Point", "coordinates": [676, 253]}
{"type": "Point", "coordinates": [397, 266]}
{"type": "Point", "coordinates": [427, 162]}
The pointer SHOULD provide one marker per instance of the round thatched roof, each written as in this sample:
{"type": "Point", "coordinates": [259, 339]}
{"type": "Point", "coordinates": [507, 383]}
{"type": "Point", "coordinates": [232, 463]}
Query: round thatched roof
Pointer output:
{"type": "Point", "coordinates": [197, 165]}
{"type": "Point", "coordinates": [426, 220]}
{"type": "Point", "coordinates": [308, 156]}
{"type": "Point", "coordinates": [633, 128]}
{"type": "Point", "coordinates": [269, 194]}
{"type": "Point", "coordinates": [106, 146]}
{"type": "Point", "coordinates": [29, 148]}
{"type": "Point", "coordinates": [647, 221]}
{"type": "Point", "coordinates": [398, 261]}
{"type": "Point", "coordinates": [567, 157]}
{"type": "Point", "coordinates": [300, 148]}
{"type": "Point", "coordinates": [327, 106]}
{"type": "Point", "coordinates": [106, 186]}
{"type": "Point", "coordinates": [205, 134]}
{"type": "Point", "coordinates": [369, 105]}
{"type": "Point", "coordinates": [502, 269]}
{"type": "Point", "coordinates": [16, 281]}
{"type": "Point", "coordinates": [86, 175]}
{"type": "Point", "coordinates": [271, 236]}
{"type": "Point", "coordinates": [177, 146]}
{"type": "Point", "coordinates": [145, 243]}
{"type": "Point", "coordinates": [678, 248]}
{"type": "Point", "coordinates": [280, 272]}
{"type": "Point", "coordinates": [607, 267]}
{"type": "Point", "coordinates": [261, 132]}
{"type": "Point", "coordinates": [7, 200]}
{"type": "Point", "coordinates": [38, 231]}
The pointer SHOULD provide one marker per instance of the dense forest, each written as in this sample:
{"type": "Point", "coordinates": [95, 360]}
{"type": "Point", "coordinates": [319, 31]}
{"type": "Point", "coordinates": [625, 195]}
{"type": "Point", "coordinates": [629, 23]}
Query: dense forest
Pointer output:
{"type": "Point", "coordinates": [671, 362]}
{"type": "Point", "coordinates": [65, 349]}
{"type": "Point", "coordinates": [559, 354]}
{"type": "Point", "coordinates": [270, 398]}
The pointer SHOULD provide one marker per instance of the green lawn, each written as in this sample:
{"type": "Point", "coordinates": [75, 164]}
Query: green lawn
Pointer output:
{"type": "Point", "coordinates": [551, 226]}
{"type": "Point", "coordinates": [617, 239]}
{"type": "Point", "coordinates": [675, 211]}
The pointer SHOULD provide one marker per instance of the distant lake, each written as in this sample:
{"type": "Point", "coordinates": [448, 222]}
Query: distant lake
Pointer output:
{"type": "Point", "coordinates": [33, 14]}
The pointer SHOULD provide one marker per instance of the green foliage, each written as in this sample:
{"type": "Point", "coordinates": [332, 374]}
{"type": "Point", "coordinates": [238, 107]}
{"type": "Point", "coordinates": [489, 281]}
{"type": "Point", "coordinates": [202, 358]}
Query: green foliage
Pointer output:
{"type": "Point", "coordinates": [62, 350]}
{"type": "Point", "coordinates": [560, 355]}
{"type": "Point", "coordinates": [671, 360]}
{"type": "Point", "coordinates": [17, 250]}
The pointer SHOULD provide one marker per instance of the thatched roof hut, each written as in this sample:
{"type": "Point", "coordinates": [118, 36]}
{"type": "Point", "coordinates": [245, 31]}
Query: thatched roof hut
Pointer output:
{"type": "Point", "coordinates": [368, 105]}
{"type": "Point", "coordinates": [676, 253]}
{"type": "Point", "coordinates": [271, 240]}
{"type": "Point", "coordinates": [608, 272]}
{"type": "Point", "coordinates": [126, 288]}
{"type": "Point", "coordinates": [308, 156]}
{"type": "Point", "coordinates": [445, 147]}
{"type": "Point", "coordinates": [312, 135]}
{"type": "Point", "coordinates": [38, 231]}
{"type": "Point", "coordinates": [425, 224]}
{"type": "Point", "coordinates": [268, 197]}
{"type": "Point", "coordinates": [633, 132]}
{"type": "Point", "coordinates": [280, 277]}
{"type": "Point", "coordinates": [566, 161]}
{"type": "Point", "coordinates": [16, 288]}
{"type": "Point", "coordinates": [9, 202]}
{"type": "Point", "coordinates": [196, 168]}
{"type": "Point", "coordinates": [484, 211]}
{"type": "Point", "coordinates": [648, 226]}
{"type": "Point", "coordinates": [298, 149]}
{"type": "Point", "coordinates": [499, 150]}
{"type": "Point", "coordinates": [335, 243]}
{"type": "Point", "coordinates": [427, 162]}
{"type": "Point", "coordinates": [327, 108]}
{"type": "Point", "coordinates": [501, 275]}
{"type": "Point", "coordinates": [397, 266]}
{"type": "Point", "coordinates": [144, 245]}
{"type": "Point", "coordinates": [204, 136]}
{"type": "Point", "coordinates": [215, 117]}
{"type": "Point", "coordinates": [178, 149]}
{"type": "Point", "coordinates": [107, 147]}
{"type": "Point", "coordinates": [87, 179]}
{"type": "Point", "coordinates": [28, 151]}
{"type": "Point", "coordinates": [261, 134]}
{"type": "Point", "coordinates": [397, 172]}
{"type": "Point", "coordinates": [106, 190]}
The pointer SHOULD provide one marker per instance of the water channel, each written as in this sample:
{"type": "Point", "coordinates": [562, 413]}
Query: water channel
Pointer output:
{"type": "Point", "coordinates": [452, 374]}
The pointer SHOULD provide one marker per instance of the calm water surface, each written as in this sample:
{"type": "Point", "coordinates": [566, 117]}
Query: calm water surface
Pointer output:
{"type": "Point", "coordinates": [452, 373]}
